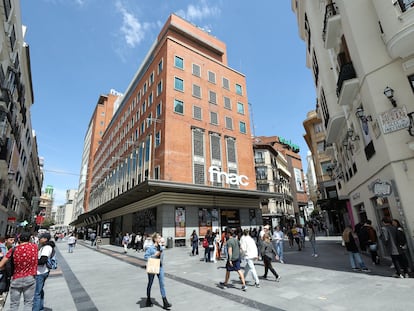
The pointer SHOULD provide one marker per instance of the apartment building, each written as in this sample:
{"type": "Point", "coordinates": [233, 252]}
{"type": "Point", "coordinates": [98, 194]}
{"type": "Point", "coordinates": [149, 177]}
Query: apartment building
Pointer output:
{"type": "Point", "coordinates": [21, 175]}
{"type": "Point", "coordinates": [101, 117]}
{"type": "Point", "coordinates": [362, 56]}
{"type": "Point", "coordinates": [177, 154]}
{"type": "Point", "coordinates": [288, 180]}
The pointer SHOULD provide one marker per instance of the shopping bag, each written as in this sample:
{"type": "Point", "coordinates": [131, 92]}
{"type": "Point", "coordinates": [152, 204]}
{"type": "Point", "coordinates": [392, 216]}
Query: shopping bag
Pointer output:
{"type": "Point", "coordinates": [153, 266]}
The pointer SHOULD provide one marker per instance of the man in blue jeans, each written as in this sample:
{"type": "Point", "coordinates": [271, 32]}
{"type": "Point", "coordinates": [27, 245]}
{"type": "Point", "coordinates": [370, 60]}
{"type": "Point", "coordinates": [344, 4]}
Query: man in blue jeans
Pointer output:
{"type": "Point", "coordinates": [46, 250]}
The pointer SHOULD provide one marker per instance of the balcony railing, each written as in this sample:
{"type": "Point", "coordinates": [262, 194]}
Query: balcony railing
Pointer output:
{"type": "Point", "coordinates": [347, 72]}
{"type": "Point", "coordinates": [259, 160]}
{"type": "Point", "coordinates": [406, 4]}
{"type": "Point", "coordinates": [330, 11]}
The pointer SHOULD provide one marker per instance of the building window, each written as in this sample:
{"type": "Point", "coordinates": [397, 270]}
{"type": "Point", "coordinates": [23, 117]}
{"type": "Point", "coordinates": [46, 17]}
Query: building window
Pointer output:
{"type": "Point", "coordinates": [239, 89]}
{"type": "Point", "coordinates": [196, 70]}
{"type": "Point", "coordinates": [242, 127]}
{"type": "Point", "coordinates": [178, 106]}
{"type": "Point", "coordinates": [226, 84]}
{"type": "Point", "coordinates": [261, 173]}
{"type": "Point", "coordinates": [240, 108]}
{"type": "Point", "coordinates": [178, 84]}
{"type": "Point", "coordinates": [213, 118]}
{"type": "Point", "coordinates": [229, 123]}
{"type": "Point", "coordinates": [227, 102]}
{"type": "Point", "coordinates": [151, 78]}
{"type": "Point", "coordinates": [158, 110]}
{"type": "Point", "coordinates": [159, 88]}
{"type": "Point", "coordinates": [320, 146]}
{"type": "Point", "coordinates": [144, 90]}
{"type": "Point", "coordinates": [197, 113]}
{"type": "Point", "coordinates": [212, 97]}
{"type": "Point", "coordinates": [160, 66]}
{"type": "Point", "coordinates": [142, 127]}
{"type": "Point", "coordinates": [211, 77]}
{"type": "Point", "coordinates": [143, 107]}
{"type": "Point", "coordinates": [325, 166]}
{"type": "Point", "coordinates": [157, 139]}
{"type": "Point", "coordinates": [150, 99]}
{"type": "Point", "coordinates": [179, 62]}
{"type": "Point", "coordinates": [198, 157]}
{"type": "Point", "coordinates": [315, 67]}
{"type": "Point", "coordinates": [196, 91]}
{"type": "Point", "coordinates": [157, 172]}
{"type": "Point", "coordinates": [231, 150]}
{"type": "Point", "coordinates": [317, 127]}
{"type": "Point", "coordinates": [324, 108]}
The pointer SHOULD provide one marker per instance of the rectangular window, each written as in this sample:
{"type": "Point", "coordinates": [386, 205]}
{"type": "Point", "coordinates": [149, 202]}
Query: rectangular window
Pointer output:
{"type": "Point", "coordinates": [239, 89]}
{"type": "Point", "coordinates": [145, 88]}
{"type": "Point", "coordinates": [212, 97]}
{"type": "Point", "coordinates": [179, 62]}
{"type": "Point", "coordinates": [240, 108]}
{"type": "Point", "coordinates": [159, 88]}
{"type": "Point", "coordinates": [211, 77]}
{"type": "Point", "coordinates": [197, 113]}
{"type": "Point", "coordinates": [215, 147]}
{"type": "Point", "coordinates": [198, 157]}
{"type": "Point", "coordinates": [143, 107]}
{"type": "Point", "coordinates": [178, 106]}
{"type": "Point", "coordinates": [196, 70]}
{"type": "Point", "coordinates": [317, 127]}
{"type": "Point", "coordinates": [150, 99]}
{"type": "Point", "coordinates": [142, 127]}
{"type": "Point", "coordinates": [320, 146]}
{"type": "Point", "coordinates": [213, 118]}
{"type": "Point", "coordinates": [160, 66]}
{"type": "Point", "coordinates": [157, 172]}
{"type": "Point", "coordinates": [178, 84]}
{"type": "Point", "coordinates": [242, 127]}
{"type": "Point", "coordinates": [226, 84]}
{"type": "Point", "coordinates": [196, 91]}
{"type": "Point", "coordinates": [231, 150]}
{"type": "Point", "coordinates": [158, 110]}
{"type": "Point", "coordinates": [157, 139]}
{"type": "Point", "coordinates": [151, 78]}
{"type": "Point", "coordinates": [229, 123]}
{"type": "Point", "coordinates": [227, 102]}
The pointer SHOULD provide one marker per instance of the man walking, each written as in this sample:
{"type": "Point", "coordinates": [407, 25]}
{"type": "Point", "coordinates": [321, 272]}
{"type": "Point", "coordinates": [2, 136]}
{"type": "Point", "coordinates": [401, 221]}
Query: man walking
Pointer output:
{"type": "Point", "coordinates": [249, 250]}
{"type": "Point", "coordinates": [71, 243]}
{"type": "Point", "coordinates": [389, 236]}
{"type": "Point", "coordinates": [233, 260]}
{"type": "Point", "coordinates": [46, 251]}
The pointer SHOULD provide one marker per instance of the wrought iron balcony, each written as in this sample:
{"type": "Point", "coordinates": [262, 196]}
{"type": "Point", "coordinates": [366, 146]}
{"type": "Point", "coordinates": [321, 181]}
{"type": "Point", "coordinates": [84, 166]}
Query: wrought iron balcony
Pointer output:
{"type": "Point", "coordinates": [331, 25]}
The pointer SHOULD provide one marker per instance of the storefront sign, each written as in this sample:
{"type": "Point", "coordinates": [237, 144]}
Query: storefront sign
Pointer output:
{"type": "Point", "coordinates": [381, 188]}
{"type": "Point", "coordinates": [294, 147]}
{"type": "Point", "coordinates": [229, 178]}
{"type": "Point", "coordinates": [394, 120]}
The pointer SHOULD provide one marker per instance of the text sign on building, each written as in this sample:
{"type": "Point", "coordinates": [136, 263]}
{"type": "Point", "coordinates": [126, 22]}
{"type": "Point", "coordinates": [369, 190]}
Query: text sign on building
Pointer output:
{"type": "Point", "coordinates": [381, 188]}
{"type": "Point", "coordinates": [394, 120]}
{"type": "Point", "coordinates": [228, 178]}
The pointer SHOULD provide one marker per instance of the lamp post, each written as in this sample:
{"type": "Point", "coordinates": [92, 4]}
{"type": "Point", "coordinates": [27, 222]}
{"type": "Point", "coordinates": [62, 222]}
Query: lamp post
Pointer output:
{"type": "Point", "coordinates": [152, 155]}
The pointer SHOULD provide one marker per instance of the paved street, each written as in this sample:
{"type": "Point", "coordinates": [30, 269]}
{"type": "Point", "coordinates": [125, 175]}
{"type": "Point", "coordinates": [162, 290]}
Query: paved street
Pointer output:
{"type": "Point", "coordinates": [88, 279]}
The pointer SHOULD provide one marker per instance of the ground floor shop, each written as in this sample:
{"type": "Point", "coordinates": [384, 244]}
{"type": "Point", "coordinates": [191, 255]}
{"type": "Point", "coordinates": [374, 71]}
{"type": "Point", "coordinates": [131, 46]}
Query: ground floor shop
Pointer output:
{"type": "Point", "coordinates": [174, 210]}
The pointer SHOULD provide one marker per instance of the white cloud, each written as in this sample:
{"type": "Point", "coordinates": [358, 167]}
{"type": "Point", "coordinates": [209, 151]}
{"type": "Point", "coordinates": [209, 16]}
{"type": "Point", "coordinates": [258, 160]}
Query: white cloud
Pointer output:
{"type": "Point", "coordinates": [132, 29]}
{"type": "Point", "coordinates": [199, 12]}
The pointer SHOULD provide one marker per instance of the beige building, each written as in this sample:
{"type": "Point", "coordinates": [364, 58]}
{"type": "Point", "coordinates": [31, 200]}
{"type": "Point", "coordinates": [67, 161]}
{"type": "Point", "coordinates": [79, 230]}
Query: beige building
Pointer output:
{"type": "Point", "coordinates": [362, 57]}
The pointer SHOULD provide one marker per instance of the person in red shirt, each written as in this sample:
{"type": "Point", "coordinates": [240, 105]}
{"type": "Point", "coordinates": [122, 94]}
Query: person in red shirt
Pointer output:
{"type": "Point", "coordinates": [25, 269]}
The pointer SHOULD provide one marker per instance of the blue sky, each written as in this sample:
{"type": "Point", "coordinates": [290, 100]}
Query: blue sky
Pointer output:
{"type": "Point", "coordinates": [81, 49]}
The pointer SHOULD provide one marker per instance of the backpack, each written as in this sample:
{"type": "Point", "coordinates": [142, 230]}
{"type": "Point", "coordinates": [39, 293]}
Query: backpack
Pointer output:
{"type": "Point", "coordinates": [52, 261]}
{"type": "Point", "coordinates": [205, 243]}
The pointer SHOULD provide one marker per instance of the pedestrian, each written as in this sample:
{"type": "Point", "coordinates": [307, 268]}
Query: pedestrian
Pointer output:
{"type": "Point", "coordinates": [24, 257]}
{"type": "Point", "coordinates": [138, 242]}
{"type": "Point", "coordinates": [402, 247]}
{"type": "Point", "coordinates": [233, 259]}
{"type": "Point", "coordinates": [290, 236]}
{"type": "Point", "coordinates": [92, 237]}
{"type": "Point", "coordinates": [351, 245]}
{"type": "Point", "coordinates": [155, 250]}
{"type": "Point", "coordinates": [278, 238]}
{"type": "Point", "coordinates": [216, 244]}
{"type": "Point", "coordinates": [147, 242]}
{"type": "Point", "coordinates": [297, 237]}
{"type": "Point", "coordinates": [71, 243]}
{"type": "Point", "coordinates": [208, 246]}
{"type": "Point", "coordinates": [312, 238]}
{"type": "Point", "coordinates": [125, 242]}
{"type": "Point", "coordinates": [194, 243]}
{"type": "Point", "coordinates": [268, 252]}
{"type": "Point", "coordinates": [369, 235]}
{"type": "Point", "coordinates": [46, 251]}
{"type": "Point", "coordinates": [249, 250]}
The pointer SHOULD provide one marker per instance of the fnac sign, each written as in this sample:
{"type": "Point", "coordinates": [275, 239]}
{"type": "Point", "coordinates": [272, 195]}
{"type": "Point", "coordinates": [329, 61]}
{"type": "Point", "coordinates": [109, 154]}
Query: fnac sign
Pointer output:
{"type": "Point", "coordinates": [229, 178]}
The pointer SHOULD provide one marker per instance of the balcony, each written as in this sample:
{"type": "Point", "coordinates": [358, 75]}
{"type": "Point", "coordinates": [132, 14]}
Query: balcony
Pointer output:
{"type": "Point", "coordinates": [335, 126]}
{"type": "Point", "coordinates": [331, 26]}
{"type": "Point", "coordinates": [347, 85]}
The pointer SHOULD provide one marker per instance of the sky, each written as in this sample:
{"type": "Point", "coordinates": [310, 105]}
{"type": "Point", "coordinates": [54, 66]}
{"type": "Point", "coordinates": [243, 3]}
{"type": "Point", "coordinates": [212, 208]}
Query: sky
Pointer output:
{"type": "Point", "coordinates": [81, 49]}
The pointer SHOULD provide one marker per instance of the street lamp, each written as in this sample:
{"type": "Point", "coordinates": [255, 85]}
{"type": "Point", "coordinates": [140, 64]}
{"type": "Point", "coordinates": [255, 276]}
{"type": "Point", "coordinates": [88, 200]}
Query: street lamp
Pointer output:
{"type": "Point", "coordinates": [152, 156]}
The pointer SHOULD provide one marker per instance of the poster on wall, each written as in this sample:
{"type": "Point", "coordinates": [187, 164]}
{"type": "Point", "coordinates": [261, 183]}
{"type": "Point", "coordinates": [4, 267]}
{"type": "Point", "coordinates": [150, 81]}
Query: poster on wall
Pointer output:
{"type": "Point", "coordinates": [204, 221]}
{"type": "Point", "coordinates": [298, 179]}
{"type": "Point", "coordinates": [180, 222]}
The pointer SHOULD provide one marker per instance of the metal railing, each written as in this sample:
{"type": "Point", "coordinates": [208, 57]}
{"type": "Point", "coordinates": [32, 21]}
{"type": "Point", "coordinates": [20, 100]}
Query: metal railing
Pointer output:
{"type": "Point", "coordinates": [330, 10]}
{"type": "Point", "coordinates": [405, 4]}
{"type": "Point", "coordinates": [347, 72]}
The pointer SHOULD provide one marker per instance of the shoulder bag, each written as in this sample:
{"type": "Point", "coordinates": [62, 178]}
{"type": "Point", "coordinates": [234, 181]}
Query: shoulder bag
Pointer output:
{"type": "Point", "coordinates": [153, 265]}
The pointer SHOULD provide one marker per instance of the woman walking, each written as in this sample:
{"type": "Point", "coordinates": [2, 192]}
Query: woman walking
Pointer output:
{"type": "Point", "coordinates": [194, 243]}
{"type": "Point", "coordinates": [353, 250]}
{"type": "Point", "coordinates": [268, 252]}
{"type": "Point", "coordinates": [312, 238]}
{"type": "Point", "coordinates": [156, 251]}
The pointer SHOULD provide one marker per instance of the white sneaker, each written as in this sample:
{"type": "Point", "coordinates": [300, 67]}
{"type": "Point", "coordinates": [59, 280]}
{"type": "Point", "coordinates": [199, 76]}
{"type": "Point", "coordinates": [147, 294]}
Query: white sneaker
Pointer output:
{"type": "Point", "coordinates": [316, 255]}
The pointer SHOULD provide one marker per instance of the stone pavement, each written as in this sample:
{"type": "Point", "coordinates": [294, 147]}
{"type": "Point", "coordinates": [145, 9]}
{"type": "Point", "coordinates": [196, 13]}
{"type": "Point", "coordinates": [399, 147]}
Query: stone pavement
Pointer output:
{"type": "Point", "coordinates": [107, 279]}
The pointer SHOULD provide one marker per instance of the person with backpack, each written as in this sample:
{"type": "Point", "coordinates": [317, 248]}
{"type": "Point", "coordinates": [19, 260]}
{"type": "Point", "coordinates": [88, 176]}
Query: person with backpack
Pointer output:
{"type": "Point", "coordinates": [46, 251]}
{"type": "Point", "coordinates": [402, 247]}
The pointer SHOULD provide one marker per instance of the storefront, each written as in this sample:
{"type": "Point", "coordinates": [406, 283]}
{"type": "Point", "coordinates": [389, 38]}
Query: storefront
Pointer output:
{"type": "Point", "coordinates": [174, 210]}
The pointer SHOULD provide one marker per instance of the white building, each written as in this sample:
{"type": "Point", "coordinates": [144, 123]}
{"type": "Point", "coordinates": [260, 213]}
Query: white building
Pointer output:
{"type": "Point", "coordinates": [362, 57]}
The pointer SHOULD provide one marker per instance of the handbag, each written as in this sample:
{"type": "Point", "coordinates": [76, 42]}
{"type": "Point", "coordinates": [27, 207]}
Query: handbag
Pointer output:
{"type": "Point", "coordinates": [153, 266]}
